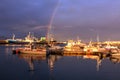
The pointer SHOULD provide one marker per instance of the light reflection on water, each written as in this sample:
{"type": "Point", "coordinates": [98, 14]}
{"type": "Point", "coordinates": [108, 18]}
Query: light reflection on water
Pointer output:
{"type": "Point", "coordinates": [57, 67]}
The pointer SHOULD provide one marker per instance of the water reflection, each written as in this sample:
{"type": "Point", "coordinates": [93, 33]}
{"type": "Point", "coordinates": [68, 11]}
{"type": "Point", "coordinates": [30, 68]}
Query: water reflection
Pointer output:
{"type": "Point", "coordinates": [60, 67]}
{"type": "Point", "coordinates": [94, 57]}
{"type": "Point", "coordinates": [51, 59]}
{"type": "Point", "coordinates": [30, 58]}
{"type": "Point", "coordinates": [98, 58]}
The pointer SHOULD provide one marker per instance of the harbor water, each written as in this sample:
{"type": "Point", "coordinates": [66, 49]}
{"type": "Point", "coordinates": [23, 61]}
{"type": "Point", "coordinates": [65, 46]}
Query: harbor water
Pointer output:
{"type": "Point", "coordinates": [56, 67]}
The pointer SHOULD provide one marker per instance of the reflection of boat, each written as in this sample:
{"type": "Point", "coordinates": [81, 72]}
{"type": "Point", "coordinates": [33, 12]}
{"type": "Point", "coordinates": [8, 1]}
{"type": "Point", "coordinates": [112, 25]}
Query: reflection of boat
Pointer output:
{"type": "Point", "coordinates": [30, 58]}
{"type": "Point", "coordinates": [52, 59]}
{"type": "Point", "coordinates": [94, 57]}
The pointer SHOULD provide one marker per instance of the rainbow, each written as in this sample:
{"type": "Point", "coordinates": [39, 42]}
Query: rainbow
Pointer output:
{"type": "Point", "coordinates": [51, 21]}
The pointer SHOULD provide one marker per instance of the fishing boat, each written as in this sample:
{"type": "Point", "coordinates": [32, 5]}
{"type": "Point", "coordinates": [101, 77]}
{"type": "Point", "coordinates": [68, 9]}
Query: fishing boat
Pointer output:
{"type": "Point", "coordinates": [94, 49]}
{"type": "Point", "coordinates": [115, 58]}
{"type": "Point", "coordinates": [115, 52]}
{"type": "Point", "coordinates": [90, 48]}
{"type": "Point", "coordinates": [74, 46]}
{"type": "Point", "coordinates": [30, 58]}
{"type": "Point", "coordinates": [31, 49]}
{"type": "Point", "coordinates": [28, 39]}
{"type": "Point", "coordinates": [55, 49]}
{"type": "Point", "coordinates": [3, 42]}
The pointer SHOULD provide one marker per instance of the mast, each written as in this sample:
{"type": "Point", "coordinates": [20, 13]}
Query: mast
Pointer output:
{"type": "Point", "coordinates": [13, 37]}
{"type": "Point", "coordinates": [97, 38]}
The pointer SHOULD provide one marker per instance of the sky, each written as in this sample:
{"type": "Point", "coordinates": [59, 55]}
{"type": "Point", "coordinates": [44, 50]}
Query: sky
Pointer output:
{"type": "Point", "coordinates": [68, 19]}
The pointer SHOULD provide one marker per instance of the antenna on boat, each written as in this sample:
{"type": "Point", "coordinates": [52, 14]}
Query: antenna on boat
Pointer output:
{"type": "Point", "coordinates": [97, 38]}
{"type": "Point", "coordinates": [78, 38]}
{"type": "Point", "coordinates": [98, 41]}
{"type": "Point", "coordinates": [13, 37]}
{"type": "Point", "coordinates": [29, 33]}
{"type": "Point", "coordinates": [90, 43]}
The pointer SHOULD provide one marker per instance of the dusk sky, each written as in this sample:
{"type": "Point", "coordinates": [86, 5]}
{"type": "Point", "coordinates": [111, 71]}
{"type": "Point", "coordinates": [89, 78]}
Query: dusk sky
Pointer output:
{"type": "Point", "coordinates": [72, 18]}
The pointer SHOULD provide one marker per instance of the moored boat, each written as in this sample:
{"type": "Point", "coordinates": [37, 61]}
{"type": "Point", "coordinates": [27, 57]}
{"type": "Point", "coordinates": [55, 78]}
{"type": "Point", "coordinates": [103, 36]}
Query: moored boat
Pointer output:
{"type": "Point", "coordinates": [31, 49]}
{"type": "Point", "coordinates": [28, 39]}
{"type": "Point", "coordinates": [115, 58]}
{"type": "Point", "coordinates": [3, 42]}
{"type": "Point", "coordinates": [74, 46]}
{"type": "Point", "coordinates": [55, 50]}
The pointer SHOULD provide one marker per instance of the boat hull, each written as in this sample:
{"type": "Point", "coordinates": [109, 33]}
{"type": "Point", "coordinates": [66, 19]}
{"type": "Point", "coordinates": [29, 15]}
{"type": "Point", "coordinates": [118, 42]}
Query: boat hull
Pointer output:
{"type": "Point", "coordinates": [3, 42]}
{"type": "Point", "coordinates": [34, 52]}
{"type": "Point", "coordinates": [17, 42]}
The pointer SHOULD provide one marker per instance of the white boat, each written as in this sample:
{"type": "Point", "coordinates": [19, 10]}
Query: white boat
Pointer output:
{"type": "Point", "coordinates": [90, 48]}
{"type": "Point", "coordinates": [74, 46]}
{"type": "Point", "coordinates": [94, 49]}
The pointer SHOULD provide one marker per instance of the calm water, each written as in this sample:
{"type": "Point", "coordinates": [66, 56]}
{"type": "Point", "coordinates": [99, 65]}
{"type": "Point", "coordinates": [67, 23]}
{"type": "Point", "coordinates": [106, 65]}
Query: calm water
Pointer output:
{"type": "Point", "coordinates": [56, 67]}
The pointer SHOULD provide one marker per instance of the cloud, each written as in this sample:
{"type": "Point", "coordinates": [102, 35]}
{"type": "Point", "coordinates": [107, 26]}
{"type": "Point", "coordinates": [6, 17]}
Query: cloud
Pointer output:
{"type": "Point", "coordinates": [25, 12]}
{"type": "Point", "coordinates": [73, 17]}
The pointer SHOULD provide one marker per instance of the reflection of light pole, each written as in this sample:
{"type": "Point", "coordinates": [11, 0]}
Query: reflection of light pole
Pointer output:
{"type": "Point", "coordinates": [31, 65]}
{"type": "Point", "coordinates": [51, 60]}
{"type": "Point", "coordinates": [98, 64]}
{"type": "Point", "coordinates": [98, 38]}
